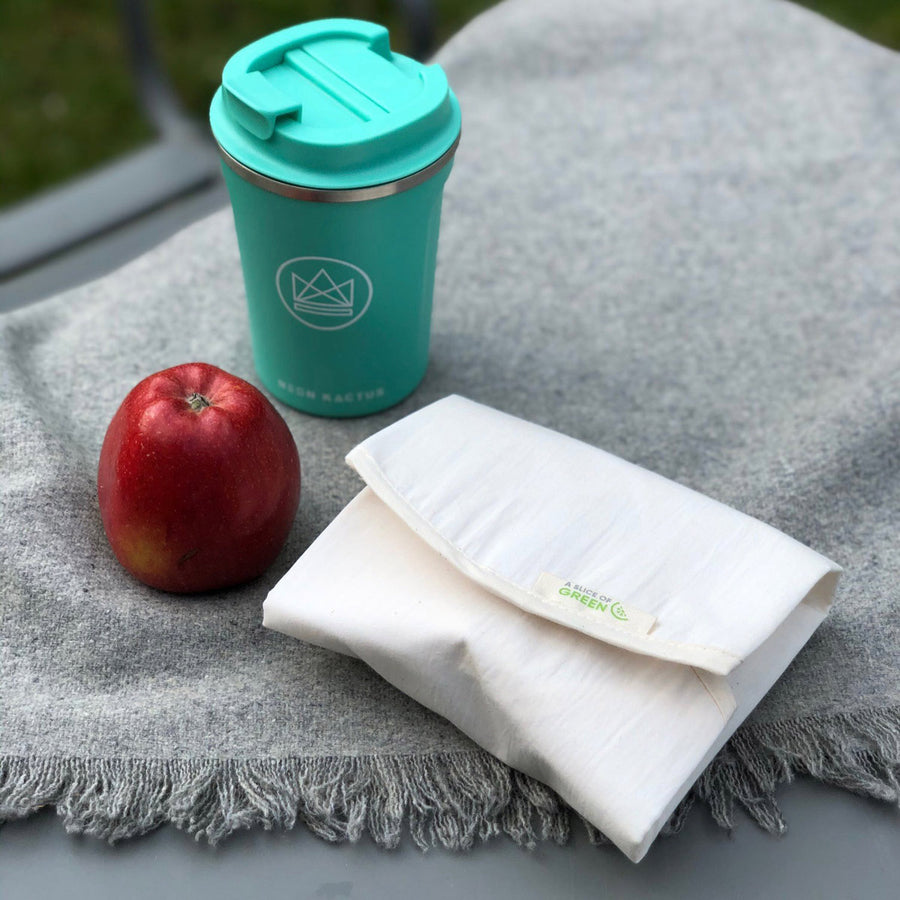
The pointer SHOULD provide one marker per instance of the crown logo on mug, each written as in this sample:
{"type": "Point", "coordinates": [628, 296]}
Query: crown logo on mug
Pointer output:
{"type": "Point", "coordinates": [324, 294]}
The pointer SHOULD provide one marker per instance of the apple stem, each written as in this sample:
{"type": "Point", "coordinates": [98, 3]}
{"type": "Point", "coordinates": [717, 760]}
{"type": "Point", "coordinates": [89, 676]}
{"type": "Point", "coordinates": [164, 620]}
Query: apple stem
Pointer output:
{"type": "Point", "coordinates": [198, 401]}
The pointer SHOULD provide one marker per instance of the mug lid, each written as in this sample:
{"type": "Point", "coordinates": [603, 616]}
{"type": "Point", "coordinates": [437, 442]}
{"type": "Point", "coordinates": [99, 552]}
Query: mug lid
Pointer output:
{"type": "Point", "coordinates": [328, 104]}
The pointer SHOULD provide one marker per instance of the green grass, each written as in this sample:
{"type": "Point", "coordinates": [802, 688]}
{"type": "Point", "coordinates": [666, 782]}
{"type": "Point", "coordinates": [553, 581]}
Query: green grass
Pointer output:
{"type": "Point", "coordinates": [878, 20]}
{"type": "Point", "coordinates": [67, 102]}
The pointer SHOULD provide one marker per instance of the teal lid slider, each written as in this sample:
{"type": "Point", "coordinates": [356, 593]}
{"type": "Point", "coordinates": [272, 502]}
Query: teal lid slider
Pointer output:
{"type": "Point", "coordinates": [255, 104]}
{"type": "Point", "coordinates": [329, 105]}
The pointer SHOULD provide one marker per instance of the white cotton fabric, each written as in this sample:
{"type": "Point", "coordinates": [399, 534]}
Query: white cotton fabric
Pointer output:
{"type": "Point", "coordinates": [435, 575]}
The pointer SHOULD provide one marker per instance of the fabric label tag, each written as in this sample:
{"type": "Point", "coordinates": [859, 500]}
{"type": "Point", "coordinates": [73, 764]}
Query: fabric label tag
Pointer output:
{"type": "Point", "coordinates": [571, 595]}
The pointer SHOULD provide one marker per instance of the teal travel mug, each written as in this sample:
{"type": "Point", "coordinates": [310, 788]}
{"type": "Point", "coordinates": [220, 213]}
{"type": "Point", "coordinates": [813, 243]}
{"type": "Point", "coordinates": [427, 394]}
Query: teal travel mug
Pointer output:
{"type": "Point", "coordinates": [335, 152]}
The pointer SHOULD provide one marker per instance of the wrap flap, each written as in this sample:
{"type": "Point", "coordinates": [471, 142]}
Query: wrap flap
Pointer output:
{"type": "Point", "coordinates": [581, 537]}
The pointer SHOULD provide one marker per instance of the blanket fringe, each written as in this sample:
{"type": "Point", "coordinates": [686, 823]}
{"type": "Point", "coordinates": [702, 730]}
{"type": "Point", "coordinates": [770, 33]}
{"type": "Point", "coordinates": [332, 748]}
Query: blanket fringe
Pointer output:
{"type": "Point", "coordinates": [858, 751]}
{"type": "Point", "coordinates": [449, 800]}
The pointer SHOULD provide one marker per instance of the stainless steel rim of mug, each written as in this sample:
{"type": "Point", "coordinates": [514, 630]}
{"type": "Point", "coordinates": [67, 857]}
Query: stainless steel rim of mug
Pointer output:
{"type": "Point", "coordinates": [339, 195]}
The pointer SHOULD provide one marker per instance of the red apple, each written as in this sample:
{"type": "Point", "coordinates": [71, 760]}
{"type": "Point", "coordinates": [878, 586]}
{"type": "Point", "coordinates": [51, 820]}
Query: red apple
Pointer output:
{"type": "Point", "coordinates": [199, 480]}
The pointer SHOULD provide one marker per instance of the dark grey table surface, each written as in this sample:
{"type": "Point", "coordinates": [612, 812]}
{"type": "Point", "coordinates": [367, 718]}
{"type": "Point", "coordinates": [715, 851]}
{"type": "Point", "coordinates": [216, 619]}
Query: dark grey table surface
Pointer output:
{"type": "Point", "coordinates": [838, 847]}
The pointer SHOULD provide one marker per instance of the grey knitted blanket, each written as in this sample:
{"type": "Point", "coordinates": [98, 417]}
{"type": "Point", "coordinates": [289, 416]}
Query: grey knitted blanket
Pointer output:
{"type": "Point", "coordinates": [672, 231]}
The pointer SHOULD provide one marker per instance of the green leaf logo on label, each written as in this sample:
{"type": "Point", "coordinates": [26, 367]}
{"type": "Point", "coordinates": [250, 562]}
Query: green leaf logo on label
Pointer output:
{"type": "Point", "coordinates": [580, 603]}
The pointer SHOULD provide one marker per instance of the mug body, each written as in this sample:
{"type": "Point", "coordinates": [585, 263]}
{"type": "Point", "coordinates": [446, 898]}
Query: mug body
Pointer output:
{"type": "Point", "coordinates": [339, 294]}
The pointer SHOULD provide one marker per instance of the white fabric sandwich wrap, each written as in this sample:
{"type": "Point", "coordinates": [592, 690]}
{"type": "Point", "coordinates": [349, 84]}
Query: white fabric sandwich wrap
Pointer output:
{"type": "Point", "coordinates": [590, 623]}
